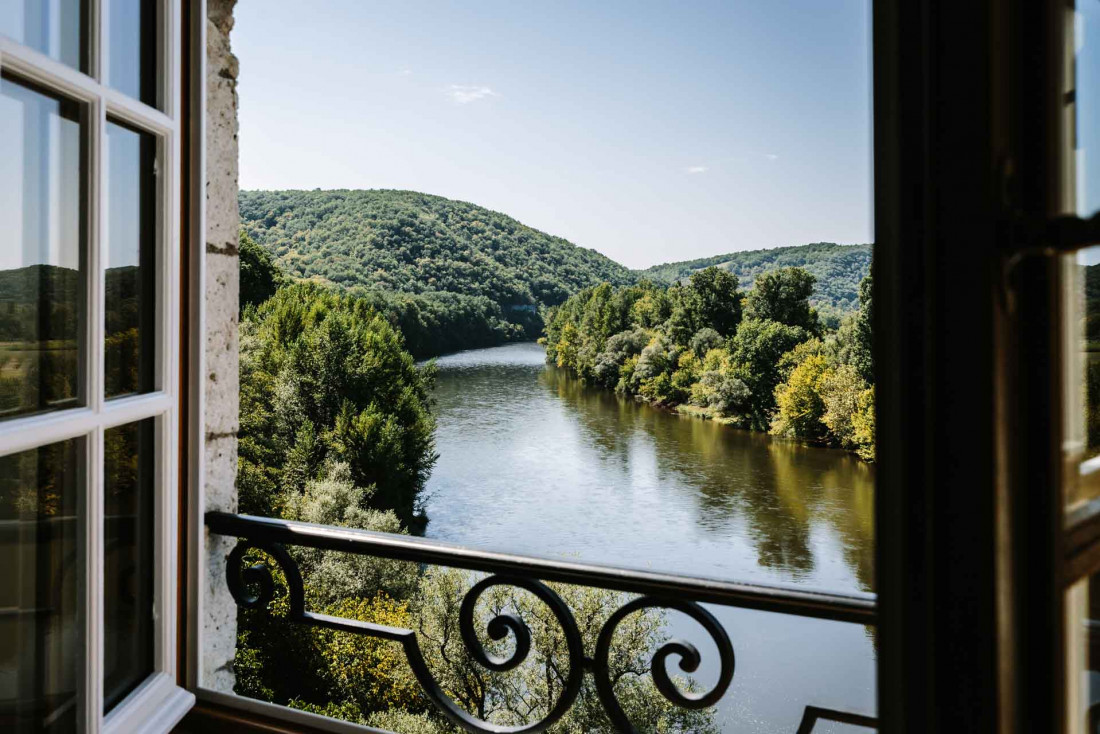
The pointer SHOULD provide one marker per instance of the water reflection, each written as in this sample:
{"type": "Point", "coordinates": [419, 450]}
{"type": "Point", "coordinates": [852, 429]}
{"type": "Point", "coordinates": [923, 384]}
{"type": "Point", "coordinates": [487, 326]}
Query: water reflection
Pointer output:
{"type": "Point", "coordinates": [532, 461]}
{"type": "Point", "coordinates": [550, 466]}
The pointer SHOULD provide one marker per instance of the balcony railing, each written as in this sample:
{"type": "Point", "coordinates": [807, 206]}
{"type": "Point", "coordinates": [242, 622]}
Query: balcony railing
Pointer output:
{"type": "Point", "coordinates": [253, 586]}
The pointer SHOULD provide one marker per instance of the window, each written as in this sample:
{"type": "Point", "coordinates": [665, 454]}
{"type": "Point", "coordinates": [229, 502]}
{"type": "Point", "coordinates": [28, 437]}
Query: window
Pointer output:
{"type": "Point", "coordinates": [89, 187]}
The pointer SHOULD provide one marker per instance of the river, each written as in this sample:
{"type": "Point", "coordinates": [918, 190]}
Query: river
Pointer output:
{"type": "Point", "coordinates": [533, 461]}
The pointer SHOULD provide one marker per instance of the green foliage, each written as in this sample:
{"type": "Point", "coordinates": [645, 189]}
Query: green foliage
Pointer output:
{"type": "Point", "coordinates": [335, 500]}
{"type": "Point", "coordinates": [765, 369]}
{"type": "Point", "coordinates": [325, 376]}
{"type": "Point", "coordinates": [826, 395]}
{"type": "Point", "coordinates": [260, 277]}
{"type": "Point", "coordinates": [800, 407]}
{"type": "Point", "coordinates": [838, 269]}
{"type": "Point", "coordinates": [784, 296]}
{"type": "Point", "coordinates": [715, 299]}
{"type": "Point", "coordinates": [756, 351]}
{"type": "Point", "coordinates": [405, 241]}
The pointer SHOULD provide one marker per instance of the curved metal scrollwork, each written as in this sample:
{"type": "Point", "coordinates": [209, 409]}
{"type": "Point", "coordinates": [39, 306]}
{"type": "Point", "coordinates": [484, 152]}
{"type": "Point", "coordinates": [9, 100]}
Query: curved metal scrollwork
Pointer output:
{"type": "Point", "coordinates": [687, 653]}
{"type": "Point", "coordinates": [253, 587]}
{"type": "Point", "coordinates": [241, 578]}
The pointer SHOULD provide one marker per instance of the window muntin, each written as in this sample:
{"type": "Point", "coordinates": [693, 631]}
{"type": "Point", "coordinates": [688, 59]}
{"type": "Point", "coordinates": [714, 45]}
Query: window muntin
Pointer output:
{"type": "Point", "coordinates": [41, 249]}
{"type": "Point", "coordinates": [129, 254]}
{"type": "Point", "coordinates": [57, 28]}
{"type": "Point", "coordinates": [41, 615]}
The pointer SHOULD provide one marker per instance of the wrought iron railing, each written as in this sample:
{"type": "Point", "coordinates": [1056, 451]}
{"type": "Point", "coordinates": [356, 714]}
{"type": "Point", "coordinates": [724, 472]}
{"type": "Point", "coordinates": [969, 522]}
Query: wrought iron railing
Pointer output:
{"type": "Point", "coordinates": [253, 586]}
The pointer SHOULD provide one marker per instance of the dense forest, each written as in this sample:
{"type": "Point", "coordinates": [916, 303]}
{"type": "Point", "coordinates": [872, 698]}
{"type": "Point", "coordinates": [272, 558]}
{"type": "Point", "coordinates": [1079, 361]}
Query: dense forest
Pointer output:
{"type": "Point", "coordinates": [762, 360]}
{"type": "Point", "coordinates": [837, 268]}
{"type": "Point", "coordinates": [404, 241]}
{"type": "Point", "coordinates": [452, 275]}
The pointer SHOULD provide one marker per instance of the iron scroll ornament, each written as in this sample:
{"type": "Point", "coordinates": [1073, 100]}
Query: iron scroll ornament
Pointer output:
{"type": "Point", "coordinates": [242, 578]}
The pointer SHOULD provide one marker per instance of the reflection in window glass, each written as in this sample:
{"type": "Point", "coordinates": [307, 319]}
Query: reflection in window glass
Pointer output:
{"type": "Point", "coordinates": [132, 51]}
{"type": "Point", "coordinates": [129, 259]}
{"type": "Point", "coordinates": [41, 283]}
{"type": "Point", "coordinates": [1087, 106]}
{"type": "Point", "coordinates": [1083, 654]}
{"type": "Point", "coordinates": [128, 456]}
{"type": "Point", "coordinates": [1082, 380]}
{"type": "Point", "coordinates": [40, 620]}
{"type": "Point", "coordinates": [54, 27]}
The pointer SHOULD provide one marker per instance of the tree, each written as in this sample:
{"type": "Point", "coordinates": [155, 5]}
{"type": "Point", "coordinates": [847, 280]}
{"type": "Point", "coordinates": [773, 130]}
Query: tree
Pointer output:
{"type": "Point", "coordinates": [784, 296]}
{"type": "Point", "coordinates": [313, 356]}
{"type": "Point", "coordinates": [260, 276]}
{"type": "Point", "coordinates": [616, 351]}
{"type": "Point", "coordinates": [756, 349]}
{"type": "Point", "coordinates": [841, 389]}
{"type": "Point", "coordinates": [705, 340]}
{"type": "Point", "coordinates": [716, 299]}
{"type": "Point", "coordinates": [800, 409]}
{"type": "Point", "coordinates": [853, 343]}
{"type": "Point", "coordinates": [718, 387]}
{"type": "Point", "coordinates": [334, 577]}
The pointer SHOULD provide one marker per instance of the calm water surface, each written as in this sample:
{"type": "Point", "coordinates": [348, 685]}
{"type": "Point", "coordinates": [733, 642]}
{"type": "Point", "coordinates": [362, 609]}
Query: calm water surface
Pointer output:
{"type": "Point", "coordinates": [532, 461]}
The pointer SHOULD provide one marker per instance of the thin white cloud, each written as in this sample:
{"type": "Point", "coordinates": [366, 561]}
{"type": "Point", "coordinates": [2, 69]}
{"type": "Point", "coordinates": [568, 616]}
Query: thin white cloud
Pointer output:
{"type": "Point", "coordinates": [464, 94]}
{"type": "Point", "coordinates": [696, 169]}
{"type": "Point", "coordinates": [405, 72]}
{"type": "Point", "coordinates": [770, 156]}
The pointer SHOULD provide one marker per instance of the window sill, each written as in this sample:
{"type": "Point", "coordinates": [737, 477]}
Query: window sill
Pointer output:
{"type": "Point", "coordinates": [226, 712]}
{"type": "Point", "coordinates": [156, 706]}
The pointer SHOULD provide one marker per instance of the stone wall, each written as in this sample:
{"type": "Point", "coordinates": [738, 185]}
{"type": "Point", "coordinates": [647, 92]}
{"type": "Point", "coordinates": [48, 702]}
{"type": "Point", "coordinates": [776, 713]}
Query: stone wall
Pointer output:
{"type": "Point", "coordinates": [219, 635]}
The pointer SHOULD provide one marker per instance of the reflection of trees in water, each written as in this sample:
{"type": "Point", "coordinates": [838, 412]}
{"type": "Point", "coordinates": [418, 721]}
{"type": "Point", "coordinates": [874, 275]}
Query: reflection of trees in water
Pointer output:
{"type": "Point", "coordinates": [780, 488]}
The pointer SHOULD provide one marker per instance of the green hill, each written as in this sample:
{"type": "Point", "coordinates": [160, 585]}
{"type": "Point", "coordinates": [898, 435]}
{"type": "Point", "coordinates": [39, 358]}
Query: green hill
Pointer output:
{"type": "Point", "coordinates": [838, 268]}
{"type": "Point", "coordinates": [404, 241]}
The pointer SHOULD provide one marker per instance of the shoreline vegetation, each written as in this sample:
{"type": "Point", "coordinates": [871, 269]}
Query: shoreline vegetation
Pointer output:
{"type": "Point", "coordinates": [760, 360]}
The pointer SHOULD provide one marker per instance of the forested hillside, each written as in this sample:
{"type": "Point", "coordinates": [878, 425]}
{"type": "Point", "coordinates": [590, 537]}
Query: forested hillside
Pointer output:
{"type": "Point", "coordinates": [404, 241]}
{"type": "Point", "coordinates": [838, 269]}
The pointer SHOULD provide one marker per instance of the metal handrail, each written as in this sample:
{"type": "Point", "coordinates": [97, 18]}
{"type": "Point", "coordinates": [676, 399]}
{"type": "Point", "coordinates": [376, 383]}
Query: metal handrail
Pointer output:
{"type": "Point", "coordinates": [252, 586]}
{"type": "Point", "coordinates": [766, 598]}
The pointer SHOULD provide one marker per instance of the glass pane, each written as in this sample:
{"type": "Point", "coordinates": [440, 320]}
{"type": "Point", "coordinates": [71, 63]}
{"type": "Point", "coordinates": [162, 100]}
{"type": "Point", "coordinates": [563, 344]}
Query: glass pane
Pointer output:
{"type": "Point", "coordinates": [41, 250]}
{"type": "Point", "coordinates": [1087, 106]}
{"type": "Point", "coordinates": [129, 257]}
{"type": "Point", "coordinates": [128, 456]}
{"type": "Point", "coordinates": [1083, 654]}
{"type": "Point", "coordinates": [57, 28]}
{"type": "Point", "coordinates": [133, 48]}
{"type": "Point", "coordinates": [41, 493]}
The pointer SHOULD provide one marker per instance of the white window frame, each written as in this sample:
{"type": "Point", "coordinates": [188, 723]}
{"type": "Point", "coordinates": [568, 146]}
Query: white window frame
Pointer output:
{"type": "Point", "coordinates": [158, 703]}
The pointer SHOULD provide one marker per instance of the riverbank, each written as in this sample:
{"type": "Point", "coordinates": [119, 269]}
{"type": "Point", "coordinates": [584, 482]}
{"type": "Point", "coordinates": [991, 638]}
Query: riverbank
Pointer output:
{"type": "Point", "coordinates": [535, 462]}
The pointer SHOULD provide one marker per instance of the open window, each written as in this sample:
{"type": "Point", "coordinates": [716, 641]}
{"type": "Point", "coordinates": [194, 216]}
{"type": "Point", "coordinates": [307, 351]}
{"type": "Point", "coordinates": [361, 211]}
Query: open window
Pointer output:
{"type": "Point", "coordinates": [89, 173]}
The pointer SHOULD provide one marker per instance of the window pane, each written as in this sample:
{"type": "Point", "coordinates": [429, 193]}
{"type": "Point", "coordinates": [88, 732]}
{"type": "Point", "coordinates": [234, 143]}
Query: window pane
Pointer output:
{"type": "Point", "coordinates": [133, 57]}
{"type": "Point", "coordinates": [128, 456]}
{"type": "Point", "coordinates": [1087, 106]}
{"type": "Point", "coordinates": [41, 250]}
{"type": "Point", "coordinates": [41, 493]}
{"type": "Point", "coordinates": [57, 28]}
{"type": "Point", "coordinates": [129, 257]}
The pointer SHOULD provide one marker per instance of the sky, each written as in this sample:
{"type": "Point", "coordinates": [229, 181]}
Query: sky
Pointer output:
{"type": "Point", "coordinates": [649, 131]}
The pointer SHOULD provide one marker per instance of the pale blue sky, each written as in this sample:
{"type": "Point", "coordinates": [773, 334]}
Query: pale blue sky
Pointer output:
{"type": "Point", "coordinates": [648, 131]}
